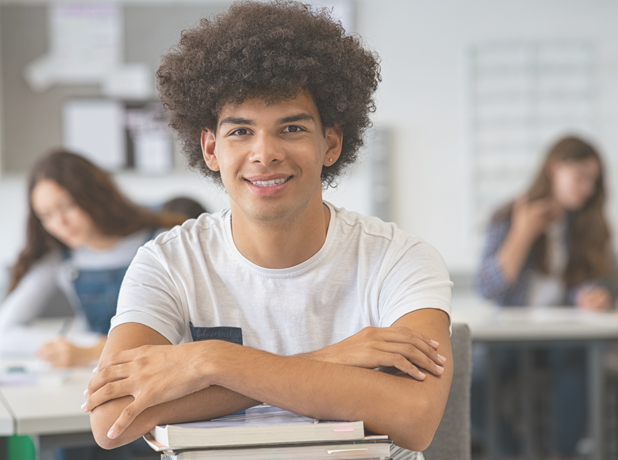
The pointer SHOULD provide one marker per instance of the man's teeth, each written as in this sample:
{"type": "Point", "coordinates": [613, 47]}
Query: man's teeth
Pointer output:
{"type": "Point", "coordinates": [268, 183]}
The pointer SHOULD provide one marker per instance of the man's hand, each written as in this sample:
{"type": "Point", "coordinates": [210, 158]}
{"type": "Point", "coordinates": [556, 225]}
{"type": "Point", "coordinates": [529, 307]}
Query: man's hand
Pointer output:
{"type": "Point", "coordinates": [374, 347]}
{"type": "Point", "coordinates": [152, 374]}
{"type": "Point", "coordinates": [61, 353]}
{"type": "Point", "coordinates": [593, 298]}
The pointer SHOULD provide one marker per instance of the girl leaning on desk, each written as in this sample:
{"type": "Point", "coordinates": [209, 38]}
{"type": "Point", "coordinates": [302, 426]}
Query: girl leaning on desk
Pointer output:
{"type": "Point", "coordinates": [81, 235]}
{"type": "Point", "coordinates": [551, 247]}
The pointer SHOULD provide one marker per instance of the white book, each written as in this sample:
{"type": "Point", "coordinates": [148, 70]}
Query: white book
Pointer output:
{"type": "Point", "coordinates": [351, 450]}
{"type": "Point", "coordinates": [256, 426]}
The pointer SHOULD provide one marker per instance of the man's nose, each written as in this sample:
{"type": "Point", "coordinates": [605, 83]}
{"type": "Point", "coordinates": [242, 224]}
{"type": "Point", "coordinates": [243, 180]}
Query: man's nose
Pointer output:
{"type": "Point", "coordinates": [267, 149]}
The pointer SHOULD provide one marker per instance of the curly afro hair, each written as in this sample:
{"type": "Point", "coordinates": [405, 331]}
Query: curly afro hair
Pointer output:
{"type": "Point", "coordinates": [271, 51]}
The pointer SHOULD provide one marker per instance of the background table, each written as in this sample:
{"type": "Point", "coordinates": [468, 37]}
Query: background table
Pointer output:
{"type": "Point", "coordinates": [530, 328]}
{"type": "Point", "coordinates": [48, 408]}
{"type": "Point", "coordinates": [6, 420]}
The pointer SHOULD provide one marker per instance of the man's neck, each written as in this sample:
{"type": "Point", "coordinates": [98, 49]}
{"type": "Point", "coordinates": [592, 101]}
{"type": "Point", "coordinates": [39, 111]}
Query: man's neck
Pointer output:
{"type": "Point", "coordinates": [282, 244]}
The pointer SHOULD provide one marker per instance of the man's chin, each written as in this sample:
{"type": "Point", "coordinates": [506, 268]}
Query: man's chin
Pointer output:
{"type": "Point", "coordinates": [272, 213]}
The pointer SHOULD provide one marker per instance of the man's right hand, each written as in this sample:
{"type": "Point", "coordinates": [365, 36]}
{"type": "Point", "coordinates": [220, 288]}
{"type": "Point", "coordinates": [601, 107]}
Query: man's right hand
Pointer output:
{"type": "Point", "coordinates": [373, 347]}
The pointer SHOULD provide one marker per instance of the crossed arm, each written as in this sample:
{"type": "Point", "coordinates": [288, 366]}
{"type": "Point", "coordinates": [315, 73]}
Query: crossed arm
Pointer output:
{"type": "Point", "coordinates": [138, 387]}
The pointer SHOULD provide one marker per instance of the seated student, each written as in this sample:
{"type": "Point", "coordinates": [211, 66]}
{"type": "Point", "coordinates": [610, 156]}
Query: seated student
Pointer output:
{"type": "Point", "coordinates": [81, 236]}
{"type": "Point", "coordinates": [551, 247]}
{"type": "Point", "coordinates": [282, 298]}
{"type": "Point", "coordinates": [185, 206]}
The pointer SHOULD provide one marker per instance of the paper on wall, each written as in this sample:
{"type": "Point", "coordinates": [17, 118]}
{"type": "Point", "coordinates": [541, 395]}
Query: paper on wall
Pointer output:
{"type": "Point", "coordinates": [152, 141]}
{"type": "Point", "coordinates": [95, 128]}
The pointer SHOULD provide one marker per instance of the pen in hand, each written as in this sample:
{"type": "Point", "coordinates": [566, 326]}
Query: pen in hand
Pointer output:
{"type": "Point", "coordinates": [66, 326]}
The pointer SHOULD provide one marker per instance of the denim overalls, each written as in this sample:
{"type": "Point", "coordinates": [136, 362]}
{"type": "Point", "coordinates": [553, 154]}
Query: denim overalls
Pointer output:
{"type": "Point", "coordinates": [97, 291]}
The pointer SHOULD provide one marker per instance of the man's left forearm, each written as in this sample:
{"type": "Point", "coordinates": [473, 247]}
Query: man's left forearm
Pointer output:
{"type": "Point", "coordinates": [407, 410]}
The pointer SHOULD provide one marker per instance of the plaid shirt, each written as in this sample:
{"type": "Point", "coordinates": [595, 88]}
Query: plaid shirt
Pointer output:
{"type": "Point", "coordinates": [490, 281]}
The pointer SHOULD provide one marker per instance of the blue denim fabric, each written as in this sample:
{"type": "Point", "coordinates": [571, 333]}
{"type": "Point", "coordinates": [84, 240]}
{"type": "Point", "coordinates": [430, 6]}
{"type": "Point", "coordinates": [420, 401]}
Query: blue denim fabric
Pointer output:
{"type": "Point", "coordinates": [97, 291]}
{"type": "Point", "coordinates": [568, 394]}
{"type": "Point", "coordinates": [505, 360]}
{"type": "Point", "coordinates": [568, 366]}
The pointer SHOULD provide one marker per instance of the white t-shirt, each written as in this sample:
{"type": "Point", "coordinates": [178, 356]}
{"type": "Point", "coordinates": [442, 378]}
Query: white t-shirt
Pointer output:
{"type": "Point", "coordinates": [367, 273]}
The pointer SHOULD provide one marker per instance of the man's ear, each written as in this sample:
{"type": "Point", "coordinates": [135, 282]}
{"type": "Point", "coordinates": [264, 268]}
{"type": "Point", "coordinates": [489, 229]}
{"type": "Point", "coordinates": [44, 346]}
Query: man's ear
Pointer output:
{"type": "Point", "coordinates": [209, 142]}
{"type": "Point", "coordinates": [334, 143]}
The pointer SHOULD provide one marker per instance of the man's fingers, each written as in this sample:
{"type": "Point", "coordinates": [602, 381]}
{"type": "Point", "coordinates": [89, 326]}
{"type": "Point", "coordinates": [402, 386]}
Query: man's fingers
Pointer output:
{"type": "Point", "coordinates": [107, 392]}
{"type": "Point", "coordinates": [403, 365]}
{"type": "Point", "coordinates": [430, 352]}
{"type": "Point", "coordinates": [414, 356]}
{"type": "Point", "coordinates": [106, 376]}
{"type": "Point", "coordinates": [126, 418]}
{"type": "Point", "coordinates": [403, 334]}
{"type": "Point", "coordinates": [420, 348]}
{"type": "Point", "coordinates": [117, 358]}
{"type": "Point", "coordinates": [427, 362]}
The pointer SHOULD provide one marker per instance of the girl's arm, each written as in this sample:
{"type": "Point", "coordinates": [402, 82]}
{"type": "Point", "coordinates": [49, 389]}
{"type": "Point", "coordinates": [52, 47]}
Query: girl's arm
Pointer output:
{"type": "Point", "coordinates": [26, 302]}
{"type": "Point", "coordinates": [508, 244]}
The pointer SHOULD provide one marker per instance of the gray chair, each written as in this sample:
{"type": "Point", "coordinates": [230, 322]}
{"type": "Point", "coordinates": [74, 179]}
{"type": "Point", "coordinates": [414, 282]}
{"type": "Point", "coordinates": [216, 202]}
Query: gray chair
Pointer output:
{"type": "Point", "coordinates": [452, 439]}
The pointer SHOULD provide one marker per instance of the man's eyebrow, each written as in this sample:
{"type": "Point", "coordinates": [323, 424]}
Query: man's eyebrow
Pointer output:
{"type": "Point", "coordinates": [293, 118]}
{"type": "Point", "coordinates": [236, 121]}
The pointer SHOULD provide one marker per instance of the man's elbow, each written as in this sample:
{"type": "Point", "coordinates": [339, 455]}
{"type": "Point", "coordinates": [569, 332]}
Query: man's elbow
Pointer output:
{"type": "Point", "coordinates": [100, 425]}
{"type": "Point", "coordinates": [101, 420]}
{"type": "Point", "coordinates": [416, 426]}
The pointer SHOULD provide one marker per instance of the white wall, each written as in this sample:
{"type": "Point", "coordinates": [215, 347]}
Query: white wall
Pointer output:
{"type": "Point", "coordinates": [422, 97]}
{"type": "Point", "coordinates": [422, 100]}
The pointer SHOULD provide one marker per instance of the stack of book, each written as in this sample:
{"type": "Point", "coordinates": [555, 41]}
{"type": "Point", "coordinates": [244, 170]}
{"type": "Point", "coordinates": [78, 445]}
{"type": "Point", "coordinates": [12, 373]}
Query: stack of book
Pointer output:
{"type": "Point", "coordinates": [267, 433]}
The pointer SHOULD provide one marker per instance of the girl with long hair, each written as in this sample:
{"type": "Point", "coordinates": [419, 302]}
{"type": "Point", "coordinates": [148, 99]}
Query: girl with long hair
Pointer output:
{"type": "Point", "coordinates": [81, 235]}
{"type": "Point", "coordinates": [551, 247]}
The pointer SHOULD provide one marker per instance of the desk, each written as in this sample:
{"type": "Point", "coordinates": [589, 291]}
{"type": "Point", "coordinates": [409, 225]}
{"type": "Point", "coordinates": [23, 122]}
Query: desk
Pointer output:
{"type": "Point", "coordinates": [49, 409]}
{"type": "Point", "coordinates": [6, 420]}
{"type": "Point", "coordinates": [529, 328]}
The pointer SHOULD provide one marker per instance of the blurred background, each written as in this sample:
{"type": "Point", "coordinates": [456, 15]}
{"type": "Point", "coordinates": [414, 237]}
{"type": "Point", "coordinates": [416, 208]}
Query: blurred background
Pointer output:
{"type": "Point", "coordinates": [473, 92]}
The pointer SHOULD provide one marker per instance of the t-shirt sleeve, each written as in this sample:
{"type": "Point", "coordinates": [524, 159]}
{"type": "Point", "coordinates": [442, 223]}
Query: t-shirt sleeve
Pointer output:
{"type": "Point", "coordinates": [418, 279]}
{"type": "Point", "coordinates": [149, 296]}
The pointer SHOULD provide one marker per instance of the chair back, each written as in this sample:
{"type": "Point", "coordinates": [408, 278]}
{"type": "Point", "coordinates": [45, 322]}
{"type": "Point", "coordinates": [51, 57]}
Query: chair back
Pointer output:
{"type": "Point", "coordinates": [452, 439]}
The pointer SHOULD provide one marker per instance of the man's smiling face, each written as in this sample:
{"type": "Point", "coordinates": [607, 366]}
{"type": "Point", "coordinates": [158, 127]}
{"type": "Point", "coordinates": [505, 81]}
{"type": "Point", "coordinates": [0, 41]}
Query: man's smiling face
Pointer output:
{"type": "Point", "coordinates": [271, 156]}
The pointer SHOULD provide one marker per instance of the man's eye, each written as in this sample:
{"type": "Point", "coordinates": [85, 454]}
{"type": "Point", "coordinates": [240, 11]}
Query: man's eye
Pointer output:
{"type": "Point", "coordinates": [239, 132]}
{"type": "Point", "coordinates": [293, 129]}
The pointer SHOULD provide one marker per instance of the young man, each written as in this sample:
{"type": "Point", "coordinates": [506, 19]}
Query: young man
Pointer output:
{"type": "Point", "coordinates": [282, 298]}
